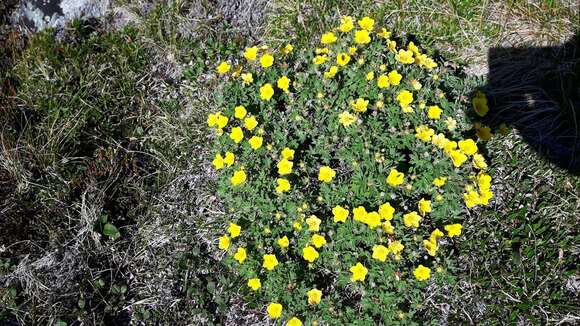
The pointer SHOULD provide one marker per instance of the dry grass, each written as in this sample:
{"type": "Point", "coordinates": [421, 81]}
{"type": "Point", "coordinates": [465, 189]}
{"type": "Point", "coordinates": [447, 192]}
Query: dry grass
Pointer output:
{"type": "Point", "coordinates": [161, 267]}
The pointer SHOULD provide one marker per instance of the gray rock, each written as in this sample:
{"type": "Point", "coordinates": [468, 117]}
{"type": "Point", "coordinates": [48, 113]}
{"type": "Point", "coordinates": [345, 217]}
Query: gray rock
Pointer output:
{"type": "Point", "coordinates": [41, 14]}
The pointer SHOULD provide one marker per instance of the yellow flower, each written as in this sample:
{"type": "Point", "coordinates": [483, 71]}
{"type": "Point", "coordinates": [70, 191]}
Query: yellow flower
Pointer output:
{"type": "Point", "coordinates": [319, 59]}
{"type": "Point", "coordinates": [317, 240]}
{"type": "Point", "coordinates": [367, 23]}
{"type": "Point", "coordinates": [229, 158]}
{"type": "Point", "coordinates": [412, 47]}
{"type": "Point", "coordinates": [386, 211]}
{"type": "Point", "coordinates": [332, 71]}
{"type": "Point", "coordinates": [380, 253]}
{"type": "Point", "coordinates": [483, 132]}
{"type": "Point", "coordinates": [287, 49]}
{"type": "Point", "coordinates": [239, 177]}
{"type": "Point", "coordinates": [346, 24]}
{"type": "Point", "coordinates": [424, 133]}
{"type": "Point", "coordinates": [359, 272]}
{"type": "Point", "coordinates": [411, 220]}
{"type": "Point", "coordinates": [342, 59]}
{"type": "Point", "coordinates": [237, 135]}
{"type": "Point", "coordinates": [471, 198]}
{"type": "Point", "coordinates": [453, 230]}
{"type": "Point", "coordinates": [479, 162]}
{"type": "Point", "coordinates": [439, 140]}
{"type": "Point", "coordinates": [283, 242]}
{"type": "Point", "coordinates": [283, 83]}
{"type": "Point", "coordinates": [479, 103]}
{"type": "Point", "coordinates": [218, 161]}
{"type": "Point", "coordinates": [435, 235]}
{"type": "Point", "coordinates": [422, 273]}
{"type": "Point", "coordinates": [380, 104]}
{"type": "Point", "coordinates": [392, 45]}
{"type": "Point", "coordinates": [457, 157]}
{"type": "Point", "coordinates": [267, 60]}
{"type": "Point", "coordinates": [314, 296]}
{"type": "Point", "coordinates": [434, 112]}
{"type": "Point", "coordinates": [223, 68]}
{"type": "Point", "coordinates": [288, 153]}
{"type": "Point", "coordinates": [310, 254]}
{"type": "Point", "coordinates": [416, 84]}
{"type": "Point", "coordinates": [485, 196]}
{"type": "Point", "coordinates": [370, 75]}
{"type": "Point", "coordinates": [440, 181]}
{"type": "Point", "coordinates": [270, 262]}
{"type": "Point", "coordinates": [451, 123]}
{"type": "Point", "coordinates": [383, 81]}
{"type": "Point", "coordinates": [352, 50]}
{"type": "Point", "coordinates": [405, 98]}
{"type": "Point", "coordinates": [251, 53]}
{"type": "Point", "coordinates": [274, 310]}
{"type": "Point", "coordinates": [250, 123]}
{"type": "Point", "coordinates": [212, 119]}
{"type": "Point", "coordinates": [360, 105]}
{"type": "Point", "coordinates": [266, 92]}
{"type": "Point", "coordinates": [430, 246]}
{"type": "Point", "coordinates": [359, 214]}
{"type": "Point", "coordinates": [294, 321]}
{"type": "Point", "coordinates": [326, 174]}
{"type": "Point", "coordinates": [373, 219]}
{"type": "Point", "coordinates": [284, 167]}
{"type": "Point", "coordinates": [217, 120]}
{"type": "Point", "coordinates": [384, 33]}
{"type": "Point", "coordinates": [222, 121]}
{"type": "Point", "coordinates": [405, 56]}
{"type": "Point", "coordinates": [254, 283]}
{"type": "Point", "coordinates": [362, 37]}
{"type": "Point", "coordinates": [297, 226]}
{"type": "Point", "coordinates": [240, 255]}
{"type": "Point", "coordinates": [340, 214]}
{"type": "Point", "coordinates": [424, 206]}
{"type": "Point", "coordinates": [240, 112]}
{"type": "Point", "coordinates": [449, 146]}
{"type": "Point", "coordinates": [322, 51]}
{"type": "Point", "coordinates": [346, 119]}
{"type": "Point", "coordinates": [313, 223]}
{"type": "Point", "coordinates": [224, 242]}
{"type": "Point", "coordinates": [395, 77]}
{"type": "Point", "coordinates": [328, 38]}
{"type": "Point", "coordinates": [396, 247]}
{"type": "Point", "coordinates": [424, 61]}
{"type": "Point", "coordinates": [234, 230]}
{"type": "Point", "coordinates": [283, 185]}
{"type": "Point", "coordinates": [467, 146]}
{"type": "Point", "coordinates": [247, 78]}
{"type": "Point", "coordinates": [388, 227]}
{"type": "Point", "coordinates": [483, 181]}
{"type": "Point", "coordinates": [256, 142]}
{"type": "Point", "coordinates": [395, 177]}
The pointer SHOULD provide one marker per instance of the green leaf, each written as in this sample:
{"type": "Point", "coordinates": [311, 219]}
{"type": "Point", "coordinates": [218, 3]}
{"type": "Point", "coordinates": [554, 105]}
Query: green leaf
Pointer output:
{"type": "Point", "coordinates": [111, 231]}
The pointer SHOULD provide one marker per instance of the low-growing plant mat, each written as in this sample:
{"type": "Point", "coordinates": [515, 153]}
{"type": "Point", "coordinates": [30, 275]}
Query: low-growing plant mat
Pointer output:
{"type": "Point", "coordinates": [345, 172]}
